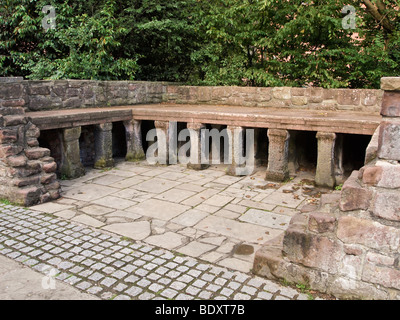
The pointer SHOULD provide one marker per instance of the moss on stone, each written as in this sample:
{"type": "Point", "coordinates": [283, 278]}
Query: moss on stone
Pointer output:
{"type": "Point", "coordinates": [134, 157]}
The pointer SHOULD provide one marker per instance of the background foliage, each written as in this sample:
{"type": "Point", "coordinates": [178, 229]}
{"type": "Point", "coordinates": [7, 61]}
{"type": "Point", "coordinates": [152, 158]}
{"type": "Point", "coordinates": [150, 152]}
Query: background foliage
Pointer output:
{"type": "Point", "coordinates": [214, 42]}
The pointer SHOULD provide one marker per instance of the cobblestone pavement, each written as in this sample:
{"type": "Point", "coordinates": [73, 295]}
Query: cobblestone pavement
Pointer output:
{"type": "Point", "coordinates": [145, 232]}
{"type": "Point", "coordinates": [111, 267]}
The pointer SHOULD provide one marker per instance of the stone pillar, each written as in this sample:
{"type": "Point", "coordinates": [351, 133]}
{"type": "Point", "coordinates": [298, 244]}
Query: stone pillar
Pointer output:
{"type": "Point", "coordinates": [197, 146]}
{"type": "Point", "coordinates": [162, 128]}
{"type": "Point", "coordinates": [241, 153]}
{"type": "Point", "coordinates": [325, 175]}
{"type": "Point", "coordinates": [278, 155]}
{"type": "Point", "coordinates": [219, 151]}
{"type": "Point", "coordinates": [235, 150]}
{"type": "Point", "coordinates": [71, 166]}
{"type": "Point", "coordinates": [134, 145]}
{"type": "Point", "coordinates": [338, 155]}
{"type": "Point", "coordinates": [293, 159]}
{"type": "Point", "coordinates": [103, 146]}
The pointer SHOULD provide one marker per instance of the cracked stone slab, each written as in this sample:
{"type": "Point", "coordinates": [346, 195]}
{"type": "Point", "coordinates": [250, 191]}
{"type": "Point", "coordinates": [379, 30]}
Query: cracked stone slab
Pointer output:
{"type": "Point", "coordinates": [88, 220]}
{"type": "Point", "coordinates": [266, 218]}
{"type": "Point", "coordinates": [134, 230]}
{"type": "Point", "coordinates": [168, 240]}
{"type": "Point", "coordinates": [158, 209]}
{"type": "Point", "coordinates": [240, 230]}
{"type": "Point", "coordinates": [51, 207]}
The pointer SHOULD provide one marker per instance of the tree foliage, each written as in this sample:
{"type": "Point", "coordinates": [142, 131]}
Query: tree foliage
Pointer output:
{"type": "Point", "coordinates": [298, 43]}
{"type": "Point", "coordinates": [214, 42]}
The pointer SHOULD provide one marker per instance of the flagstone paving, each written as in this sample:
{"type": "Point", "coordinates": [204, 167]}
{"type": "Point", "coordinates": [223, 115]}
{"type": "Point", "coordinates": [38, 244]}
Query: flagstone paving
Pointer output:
{"type": "Point", "coordinates": [143, 232]}
{"type": "Point", "coordinates": [172, 206]}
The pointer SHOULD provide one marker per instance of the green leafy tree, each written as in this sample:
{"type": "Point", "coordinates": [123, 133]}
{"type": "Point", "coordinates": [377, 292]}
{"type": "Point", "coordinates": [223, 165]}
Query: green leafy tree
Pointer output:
{"type": "Point", "coordinates": [298, 43]}
{"type": "Point", "coordinates": [85, 44]}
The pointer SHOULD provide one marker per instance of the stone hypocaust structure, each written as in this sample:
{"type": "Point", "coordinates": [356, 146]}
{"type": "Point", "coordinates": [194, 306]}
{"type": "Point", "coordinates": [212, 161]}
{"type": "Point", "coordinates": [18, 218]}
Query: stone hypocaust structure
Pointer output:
{"type": "Point", "coordinates": [350, 246]}
{"type": "Point", "coordinates": [61, 112]}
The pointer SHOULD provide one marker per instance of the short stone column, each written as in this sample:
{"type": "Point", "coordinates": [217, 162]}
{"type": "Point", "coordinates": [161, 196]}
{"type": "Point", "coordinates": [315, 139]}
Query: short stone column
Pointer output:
{"type": "Point", "coordinates": [241, 153]}
{"type": "Point", "coordinates": [197, 146]}
{"type": "Point", "coordinates": [103, 146]}
{"type": "Point", "coordinates": [325, 175]}
{"type": "Point", "coordinates": [278, 155]}
{"type": "Point", "coordinates": [71, 165]}
{"type": "Point", "coordinates": [163, 133]}
{"type": "Point", "coordinates": [134, 144]}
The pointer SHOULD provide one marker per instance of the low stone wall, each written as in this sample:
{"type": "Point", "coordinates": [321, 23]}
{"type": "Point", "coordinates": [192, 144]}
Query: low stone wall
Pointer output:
{"type": "Point", "coordinates": [69, 94]}
{"type": "Point", "coordinates": [363, 100]}
{"type": "Point", "coordinates": [27, 172]}
{"type": "Point", "coordinates": [350, 246]}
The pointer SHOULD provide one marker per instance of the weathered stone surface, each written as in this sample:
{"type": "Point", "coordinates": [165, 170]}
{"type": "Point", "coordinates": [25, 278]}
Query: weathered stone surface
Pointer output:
{"type": "Point", "coordinates": [9, 150]}
{"type": "Point", "coordinates": [325, 175]}
{"type": "Point", "coordinates": [372, 175]}
{"type": "Point", "coordinates": [372, 150]}
{"type": "Point", "coordinates": [346, 288]}
{"type": "Point", "coordinates": [386, 205]}
{"type": "Point", "coordinates": [383, 174]}
{"type": "Point", "coordinates": [321, 222]}
{"type": "Point", "coordinates": [354, 196]}
{"type": "Point", "coordinates": [28, 196]}
{"type": "Point", "coordinates": [389, 140]}
{"type": "Point", "coordinates": [37, 153]}
{"type": "Point", "coordinates": [385, 276]}
{"type": "Point", "coordinates": [26, 181]}
{"type": "Point", "coordinates": [17, 161]}
{"type": "Point", "coordinates": [278, 155]}
{"type": "Point", "coordinates": [368, 233]}
{"type": "Point", "coordinates": [391, 104]}
{"type": "Point", "coordinates": [50, 167]}
{"type": "Point", "coordinates": [14, 120]}
{"type": "Point", "coordinates": [311, 250]}
{"type": "Point", "coordinates": [390, 83]}
{"type": "Point", "coordinates": [71, 166]}
{"type": "Point", "coordinates": [197, 152]}
{"type": "Point", "coordinates": [8, 136]}
{"type": "Point", "coordinates": [134, 143]}
{"type": "Point", "coordinates": [348, 97]}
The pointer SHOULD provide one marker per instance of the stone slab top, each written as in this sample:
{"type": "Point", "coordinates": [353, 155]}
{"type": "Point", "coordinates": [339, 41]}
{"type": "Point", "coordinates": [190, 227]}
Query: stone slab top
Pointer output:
{"type": "Point", "coordinates": [349, 122]}
{"type": "Point", "coordinates": [390, 83]}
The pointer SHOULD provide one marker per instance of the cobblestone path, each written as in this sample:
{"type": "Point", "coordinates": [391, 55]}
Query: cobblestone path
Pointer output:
{"type": "Point", "coordinates": [112, 267]}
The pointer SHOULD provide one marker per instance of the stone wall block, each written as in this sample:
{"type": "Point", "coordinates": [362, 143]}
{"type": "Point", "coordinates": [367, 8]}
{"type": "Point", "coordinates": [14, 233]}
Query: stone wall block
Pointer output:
{"type": "Point", "coordinates": [386, 205]}
{"type": "Point", "coordinates": [391, 104]}
{"type": "Point", "coordinates": [37, 153]}
{"type": "Point", "coordinates": [8, 135]}
{"type": "Point", "coordinates": [389, 140]}
{"type": "Point", "coordinates": [321, 222]}
{"type": "Point", "coordinates": [349, 97]}
{"type": "Point", "coordinates": [390, 83]}
{"type": "Point", "coordinates": [369, 233]}
{"type": "Point", "coordinates": [382, 275]}
{"type": "Point", "coordinates": [310, 250]}
{"type": "Point", "coordinates": [354, 196]}
{"type": "Point", "coordinates": [17, 161]}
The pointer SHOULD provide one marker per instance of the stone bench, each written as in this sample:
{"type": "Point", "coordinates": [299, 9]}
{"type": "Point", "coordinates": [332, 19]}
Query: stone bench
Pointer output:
{"type": "Point", "coordinates": [278, 121]}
